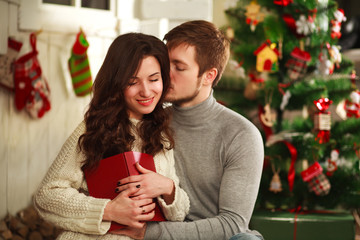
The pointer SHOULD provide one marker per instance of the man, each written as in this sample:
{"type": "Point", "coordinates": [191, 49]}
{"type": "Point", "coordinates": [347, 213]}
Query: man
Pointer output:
{"type": "Point", "coordinates": [218, 153]}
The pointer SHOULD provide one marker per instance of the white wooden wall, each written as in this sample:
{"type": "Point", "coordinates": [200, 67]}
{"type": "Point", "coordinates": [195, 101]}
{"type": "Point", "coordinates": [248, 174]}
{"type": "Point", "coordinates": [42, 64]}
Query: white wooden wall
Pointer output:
{"type": "Point", "coordinates": [28, 146]}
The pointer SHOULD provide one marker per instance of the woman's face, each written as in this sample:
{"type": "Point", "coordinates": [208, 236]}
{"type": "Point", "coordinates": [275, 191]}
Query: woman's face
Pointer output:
{"type": "Point", "coordinates": [144, 90]}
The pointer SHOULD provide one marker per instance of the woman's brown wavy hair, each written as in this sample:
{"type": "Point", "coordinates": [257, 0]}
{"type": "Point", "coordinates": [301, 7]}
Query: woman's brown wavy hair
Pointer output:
{"type": "Point", "coordinates": [108, 128]}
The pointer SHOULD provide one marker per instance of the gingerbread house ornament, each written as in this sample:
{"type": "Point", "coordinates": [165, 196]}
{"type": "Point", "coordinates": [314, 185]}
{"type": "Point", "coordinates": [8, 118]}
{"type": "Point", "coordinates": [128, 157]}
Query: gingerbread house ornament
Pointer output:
{"type": "Point", "coordinates": [267, 57]}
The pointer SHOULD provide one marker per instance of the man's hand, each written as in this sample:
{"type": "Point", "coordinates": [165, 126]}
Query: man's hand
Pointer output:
{"type": "Point", "coordinates": [135, 233]}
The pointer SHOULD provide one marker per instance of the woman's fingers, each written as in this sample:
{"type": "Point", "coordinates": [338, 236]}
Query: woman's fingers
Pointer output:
{"type": "Point", "coordinates": [141, 169]}
{"type": "Point", "coordinates": [135, 186]}
{"type": "Point", "coordinates": [128, 191]}
{"type": "Point", "coordinates": [129, 179]}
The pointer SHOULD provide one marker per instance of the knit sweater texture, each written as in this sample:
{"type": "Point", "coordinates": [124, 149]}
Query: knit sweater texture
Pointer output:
{"type": "Point", "coordinates": [219, 159]}
{"type": "Point", "coordinates": [63, 199]}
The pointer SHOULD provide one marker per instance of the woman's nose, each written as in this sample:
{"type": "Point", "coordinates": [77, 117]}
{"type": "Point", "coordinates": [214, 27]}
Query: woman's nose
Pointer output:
{"type": "Point", "coordinates": [145, 90]}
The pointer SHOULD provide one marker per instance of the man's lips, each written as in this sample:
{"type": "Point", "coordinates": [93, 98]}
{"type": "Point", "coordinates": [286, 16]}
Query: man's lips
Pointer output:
{"type": "Point", "coordinates": [146, 102]}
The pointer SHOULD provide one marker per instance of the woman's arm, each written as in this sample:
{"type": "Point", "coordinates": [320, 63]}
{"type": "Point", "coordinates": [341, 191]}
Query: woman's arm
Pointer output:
{"type": "Point", "coordinates": [62, 197]}
{"type": "Point", "coordinates": [59, 198]}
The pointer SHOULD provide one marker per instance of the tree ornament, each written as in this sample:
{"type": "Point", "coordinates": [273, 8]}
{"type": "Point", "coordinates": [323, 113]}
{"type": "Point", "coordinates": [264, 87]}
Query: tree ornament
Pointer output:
{"type": "Point", "coordinates": [322, 18]}
{"type": "Point", "coordinates": [339, 17]}
{"type": "Point", "coordinates": [253, 14]}
{"type": "Point", "coordinates": [235, 69]}
{"type": "Point", "coordinates": [324, 65]}
{"type": "Point", "coordinates": [291, 23]}
{"type": "Point", "coordinates": [267, 57]}
{"type": "Point", "coordinates": [357, 150]}
{"type": "Point", "coordinates": [317, 181]}
{"type": "Point", "coordinates": [275, 184]}
{"type": "Point", "coordinates": [332, 163]}
{"type": "Point", "coordinates": [352, 106]}
{"type": "Point", "coordinates": [335, 55]}
{"type": "Point", "coordinates": [253, 86]}
{"type": "Point", "coordinates": [267, 116]}
{"type": "Point", "coordinates": [297, 64]}
{"type": "Point", "coordinates": [283, 3]}
{"type": "Point", "coordinates": [285, 100]}
{"type": "Point", "coordinates": [304, 25]}
{"type": "Point", "coordinates": [280, 48]}
{"type": "Point", "coordinates": [353, 79]}
{"type": "Point", "coordinates": [230, 33]}
{"type": "Point", "coordinates": [322, 120]}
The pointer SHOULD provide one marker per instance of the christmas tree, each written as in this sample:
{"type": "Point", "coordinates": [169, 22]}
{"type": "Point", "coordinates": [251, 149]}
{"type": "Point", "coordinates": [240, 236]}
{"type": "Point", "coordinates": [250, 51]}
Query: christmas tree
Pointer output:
{"type": "Point", "coordinates": [288, 76]}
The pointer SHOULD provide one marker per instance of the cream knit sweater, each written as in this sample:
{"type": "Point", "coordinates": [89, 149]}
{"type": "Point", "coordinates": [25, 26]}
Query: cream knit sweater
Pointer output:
{"type": "Point", "coordinates": [63, 199]}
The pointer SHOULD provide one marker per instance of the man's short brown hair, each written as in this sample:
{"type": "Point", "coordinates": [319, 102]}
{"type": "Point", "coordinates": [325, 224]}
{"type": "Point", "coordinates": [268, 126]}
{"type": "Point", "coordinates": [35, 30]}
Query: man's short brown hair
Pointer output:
{"type": "Point", "coordinates": [211, 45]}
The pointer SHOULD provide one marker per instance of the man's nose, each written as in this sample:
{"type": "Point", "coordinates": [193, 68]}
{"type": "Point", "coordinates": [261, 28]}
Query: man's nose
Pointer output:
{"type": "Point", "coordinates": [171, 75]}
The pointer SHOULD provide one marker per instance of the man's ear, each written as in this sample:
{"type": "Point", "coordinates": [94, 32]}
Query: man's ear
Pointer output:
{"type": "Point", "coordinates": [209, 76]}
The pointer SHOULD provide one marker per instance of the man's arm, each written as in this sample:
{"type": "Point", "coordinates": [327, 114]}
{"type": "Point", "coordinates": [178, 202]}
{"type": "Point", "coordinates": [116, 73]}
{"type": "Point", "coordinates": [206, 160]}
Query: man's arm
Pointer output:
{"type": "Point", "coordinates": [238, 192]}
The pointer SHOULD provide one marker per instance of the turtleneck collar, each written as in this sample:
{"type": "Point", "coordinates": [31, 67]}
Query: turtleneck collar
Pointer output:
{"type": "Point", "coordinates": [200, 113]}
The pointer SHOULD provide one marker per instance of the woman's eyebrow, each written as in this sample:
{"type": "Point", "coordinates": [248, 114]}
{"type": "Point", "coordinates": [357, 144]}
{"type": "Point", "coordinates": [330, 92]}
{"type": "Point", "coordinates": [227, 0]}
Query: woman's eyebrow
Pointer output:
{"type": "Point", "coordinates": [156, 73]}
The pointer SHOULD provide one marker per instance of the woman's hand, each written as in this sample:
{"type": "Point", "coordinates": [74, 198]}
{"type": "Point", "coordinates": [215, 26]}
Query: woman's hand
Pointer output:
{"type": "Point", "coordinates": [128, 211]}
{"type": "Point", "coordinates": [149, 184]}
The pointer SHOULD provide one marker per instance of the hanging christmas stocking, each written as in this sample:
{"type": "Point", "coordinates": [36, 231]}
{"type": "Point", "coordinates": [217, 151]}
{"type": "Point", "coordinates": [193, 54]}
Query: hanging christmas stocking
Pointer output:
{"type": "Point", "coordinates": [317, 181]}
{"type": "Point", "coordinates": [6, 64]}
{"type": "Point", "coordinates": [79, 66]}
{"type": "Point", "coordinates": [31, 89]}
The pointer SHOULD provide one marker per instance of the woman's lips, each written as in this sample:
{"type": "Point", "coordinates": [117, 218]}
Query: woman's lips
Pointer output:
{"type": "Point", "coordinates": [146, 102]}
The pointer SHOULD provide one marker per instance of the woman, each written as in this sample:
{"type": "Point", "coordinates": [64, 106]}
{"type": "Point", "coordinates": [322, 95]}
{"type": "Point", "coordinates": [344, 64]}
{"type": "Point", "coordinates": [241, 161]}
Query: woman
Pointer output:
{"type": "Point", "coordinates": [125, 114]}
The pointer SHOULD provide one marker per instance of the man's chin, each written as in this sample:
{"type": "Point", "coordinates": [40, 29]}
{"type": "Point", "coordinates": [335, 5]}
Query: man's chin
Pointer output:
{"type": "Point", "coordinates": [169, 97]}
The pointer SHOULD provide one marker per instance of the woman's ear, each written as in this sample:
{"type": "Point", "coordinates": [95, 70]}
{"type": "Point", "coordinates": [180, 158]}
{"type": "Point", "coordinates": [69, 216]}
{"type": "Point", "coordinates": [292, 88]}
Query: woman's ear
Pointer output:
{"type": "Point", "coordinates": [210, 76]}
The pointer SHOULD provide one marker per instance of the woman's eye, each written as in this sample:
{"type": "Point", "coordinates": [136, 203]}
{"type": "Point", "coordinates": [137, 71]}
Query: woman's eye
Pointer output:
{"type": "Point", "coordinates": [154, 80]}
{"type": "Point", "coordinates": [131, 83]}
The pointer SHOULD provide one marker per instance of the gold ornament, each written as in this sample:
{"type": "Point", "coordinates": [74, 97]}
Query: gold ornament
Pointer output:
{"type": "Point", "coordinates": [253, 15]}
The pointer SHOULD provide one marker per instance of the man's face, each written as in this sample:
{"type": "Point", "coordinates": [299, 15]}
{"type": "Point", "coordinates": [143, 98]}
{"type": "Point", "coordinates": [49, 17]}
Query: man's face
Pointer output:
{"type": "Point", "coordinates": [185, 83]}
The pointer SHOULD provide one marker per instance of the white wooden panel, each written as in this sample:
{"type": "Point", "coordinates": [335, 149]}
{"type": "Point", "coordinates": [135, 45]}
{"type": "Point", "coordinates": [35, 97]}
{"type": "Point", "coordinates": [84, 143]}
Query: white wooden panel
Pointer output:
{"type": "Point", "coordinates": [61, 100]}
{"type": "Point", "coordinates": [29, 15]}
{"type": "Point", "coordinates": [58, 18]}
{"type": "Point", "coordinates": [38, 130]}
{"type": "Point", "coordinates": [177, 9]}
{"type": "Point", "coordinates": [13, 16]}
{"type": "Point", "coordinates": [4, 149]}
{"type": "Point", "coordinates": [151, 27]}
{"type": "Point", "coordinates": [72, 19]}
{"type": "Point", "coordinates": [38, 151]}
{"type": "Point", "coordinates": [174, 23]}
{"type": "Point", "coordinates": [126, 9]}
{"type": "Point", "coordinates": [4, 16]}
{"type": "Point", "coordinates": [129, 25]}
{"type": "Point", "coordinates": [18, 156]}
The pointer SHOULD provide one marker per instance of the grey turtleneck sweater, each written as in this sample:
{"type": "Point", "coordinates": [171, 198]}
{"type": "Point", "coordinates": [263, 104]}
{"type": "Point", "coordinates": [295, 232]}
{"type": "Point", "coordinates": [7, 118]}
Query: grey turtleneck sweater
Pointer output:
{"type": "Point", "coordinates": [219, 158]}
